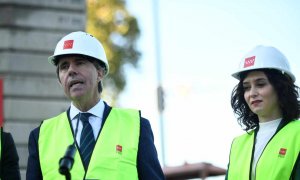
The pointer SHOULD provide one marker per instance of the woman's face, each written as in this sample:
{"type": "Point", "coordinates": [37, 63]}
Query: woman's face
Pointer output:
{"type": "Point", "coordinates": [261, 96]}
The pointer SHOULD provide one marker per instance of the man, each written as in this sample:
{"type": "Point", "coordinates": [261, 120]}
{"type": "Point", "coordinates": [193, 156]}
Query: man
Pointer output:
{"type": "Point", "coordinates": [9, 159]}
{"type": "Point", "coordinates": [111, 143]}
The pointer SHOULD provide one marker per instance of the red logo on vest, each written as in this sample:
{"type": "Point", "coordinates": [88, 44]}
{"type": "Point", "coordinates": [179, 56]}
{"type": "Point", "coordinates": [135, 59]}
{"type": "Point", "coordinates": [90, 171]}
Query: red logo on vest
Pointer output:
{"type": "Point", "coordinates": [282, 152]}
{"type": "Point", "coordinates": [119, 148]}
{"type": "Point", "coordinates": [249, 61]}
{"type": "Point", "coordinates": [68, 44]}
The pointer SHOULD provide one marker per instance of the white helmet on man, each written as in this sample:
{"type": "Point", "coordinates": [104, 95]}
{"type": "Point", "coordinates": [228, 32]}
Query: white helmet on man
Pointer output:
{"type": "Point", "coordinates": [80, 43]}
{"type": "Point", "coordinates": [264, 57]}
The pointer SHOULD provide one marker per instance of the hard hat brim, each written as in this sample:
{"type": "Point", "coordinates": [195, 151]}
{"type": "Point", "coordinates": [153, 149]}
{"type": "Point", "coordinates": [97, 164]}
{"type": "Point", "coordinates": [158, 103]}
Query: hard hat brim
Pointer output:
{"type": "Point", "coordinates": [237, 74]}
{"type": "Point", "coordinates": [51, 60]}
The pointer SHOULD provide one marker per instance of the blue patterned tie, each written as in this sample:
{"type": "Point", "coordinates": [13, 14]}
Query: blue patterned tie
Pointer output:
{"type": "Point", "coordinates": [87, 140]}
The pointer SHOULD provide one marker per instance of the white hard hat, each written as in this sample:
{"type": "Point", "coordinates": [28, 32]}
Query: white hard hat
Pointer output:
{"type": "Point", "coordinates": [80, 43]}
{"type": "Point", "coordinates": [264, 57]}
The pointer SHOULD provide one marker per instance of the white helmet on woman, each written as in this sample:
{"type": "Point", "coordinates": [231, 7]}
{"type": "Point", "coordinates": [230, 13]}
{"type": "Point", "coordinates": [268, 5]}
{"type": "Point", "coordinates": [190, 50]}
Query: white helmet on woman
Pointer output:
{"type": "Point", "coordinates": [80, 43]}
{"type": "Point", "coordinates": [264, 57]}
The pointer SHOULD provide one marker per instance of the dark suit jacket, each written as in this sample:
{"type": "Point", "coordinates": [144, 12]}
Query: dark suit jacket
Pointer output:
{"type": "Point", "coordinates": [148, 166]}
{"type": "Point", "coordinates": [9, 162]}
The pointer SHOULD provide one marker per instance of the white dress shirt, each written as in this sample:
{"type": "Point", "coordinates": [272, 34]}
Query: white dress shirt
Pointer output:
{"type": "Point", "coordinates": [95, 120]}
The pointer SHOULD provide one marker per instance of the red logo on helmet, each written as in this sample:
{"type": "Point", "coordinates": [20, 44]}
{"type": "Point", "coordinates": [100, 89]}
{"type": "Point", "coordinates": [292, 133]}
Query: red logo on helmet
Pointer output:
{"type": "Point", "coordinates": [249, 61]}
{"type": "Point", "coordinates": [68, 44]}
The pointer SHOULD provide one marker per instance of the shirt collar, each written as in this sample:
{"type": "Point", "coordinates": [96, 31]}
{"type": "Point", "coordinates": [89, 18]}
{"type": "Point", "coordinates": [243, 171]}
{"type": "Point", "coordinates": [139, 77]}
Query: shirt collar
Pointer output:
{"type": "Point", "coordinates": [97, 110]}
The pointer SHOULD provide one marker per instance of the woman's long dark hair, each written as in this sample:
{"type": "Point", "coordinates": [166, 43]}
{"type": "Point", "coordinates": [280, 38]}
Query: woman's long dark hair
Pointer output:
{"type": "Point", "coordinates": [287, 92]}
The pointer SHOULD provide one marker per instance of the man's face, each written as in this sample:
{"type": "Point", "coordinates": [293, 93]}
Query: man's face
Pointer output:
{"type": "Point", "coordinates": [79, 78]}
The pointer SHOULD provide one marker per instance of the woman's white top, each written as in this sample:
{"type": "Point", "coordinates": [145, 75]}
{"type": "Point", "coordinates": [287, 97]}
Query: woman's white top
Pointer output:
{"type": "Point", "coordinates": [264, 134]}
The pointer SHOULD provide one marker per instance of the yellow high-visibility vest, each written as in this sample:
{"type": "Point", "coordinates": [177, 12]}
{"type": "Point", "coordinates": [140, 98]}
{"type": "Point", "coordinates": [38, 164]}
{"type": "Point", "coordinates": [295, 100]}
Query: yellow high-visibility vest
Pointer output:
{"type": "Point", "coordinates": [276, 161]}
{"type": "Point", "coordinates": [114, 156]}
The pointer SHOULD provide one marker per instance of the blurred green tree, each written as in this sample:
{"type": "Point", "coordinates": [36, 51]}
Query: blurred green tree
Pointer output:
{"type": "Point", "coordinates": [111, 23]}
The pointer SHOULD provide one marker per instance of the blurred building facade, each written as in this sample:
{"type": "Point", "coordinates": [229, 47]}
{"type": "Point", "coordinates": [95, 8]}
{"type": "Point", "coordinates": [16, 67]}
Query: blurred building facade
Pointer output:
{"type": "Point", "coordinates": [29, 31]}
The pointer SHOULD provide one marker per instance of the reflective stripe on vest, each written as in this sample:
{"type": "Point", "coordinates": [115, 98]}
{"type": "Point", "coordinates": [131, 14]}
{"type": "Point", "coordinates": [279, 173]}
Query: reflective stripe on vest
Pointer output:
{"type": "Point", "coordinates": [115, 153]}
{"type": "Point", "coordinates": [277, 160]}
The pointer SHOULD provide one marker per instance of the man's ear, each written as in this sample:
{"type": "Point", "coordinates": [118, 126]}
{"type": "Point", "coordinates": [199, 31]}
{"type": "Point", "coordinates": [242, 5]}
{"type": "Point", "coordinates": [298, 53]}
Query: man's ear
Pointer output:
{"type": "Point", "coordinates": [101, 73]}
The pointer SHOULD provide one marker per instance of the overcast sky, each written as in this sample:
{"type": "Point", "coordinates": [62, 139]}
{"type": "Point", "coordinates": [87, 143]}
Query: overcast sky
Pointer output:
{"type": "Point", "coordinates": [201, 43]}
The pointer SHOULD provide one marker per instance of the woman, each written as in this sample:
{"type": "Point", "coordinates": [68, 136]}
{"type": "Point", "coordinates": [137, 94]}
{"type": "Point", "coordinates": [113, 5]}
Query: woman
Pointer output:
{"type": "Point", "coordinates": [265, 102]}
{"type": "Point", "coordinates": [9, 159]}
